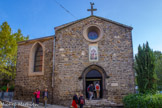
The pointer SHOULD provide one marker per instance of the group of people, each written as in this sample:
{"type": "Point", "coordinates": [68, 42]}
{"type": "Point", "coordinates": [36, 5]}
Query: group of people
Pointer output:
{"type": "Point", "coordinates": [91, 89]}
{"type": "Point", "coordinates": [78, 100]}
{"type": "Point", "coordinates": [37, 96]}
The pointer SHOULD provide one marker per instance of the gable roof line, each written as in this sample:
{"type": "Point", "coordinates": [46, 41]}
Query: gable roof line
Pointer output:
{"type": "Point", "coordinates": [105, 19]}
{"type": "Point", "coordinates": [36, 39]}
{"type": "Point", "coordinates": [68, 24]}
{"type": "Point", "coordinates": [120, 24]}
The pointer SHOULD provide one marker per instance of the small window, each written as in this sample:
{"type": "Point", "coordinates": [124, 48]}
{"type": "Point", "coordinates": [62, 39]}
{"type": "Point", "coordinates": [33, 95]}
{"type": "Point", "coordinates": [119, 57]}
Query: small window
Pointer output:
{"type": "Point", "coordinates": [38, 59]}
{"type": "Point", "coordinates": [92, 35]}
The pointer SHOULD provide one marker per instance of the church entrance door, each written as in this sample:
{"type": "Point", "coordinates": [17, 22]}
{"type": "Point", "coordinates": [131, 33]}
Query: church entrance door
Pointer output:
{"type": "Point", "coordinates": [93, 77]}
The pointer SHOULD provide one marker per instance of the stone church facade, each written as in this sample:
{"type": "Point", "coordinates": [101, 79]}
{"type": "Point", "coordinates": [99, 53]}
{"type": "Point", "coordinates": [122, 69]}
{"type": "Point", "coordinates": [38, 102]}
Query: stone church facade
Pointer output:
{"type": "Point", "coordinates": [89, 50]}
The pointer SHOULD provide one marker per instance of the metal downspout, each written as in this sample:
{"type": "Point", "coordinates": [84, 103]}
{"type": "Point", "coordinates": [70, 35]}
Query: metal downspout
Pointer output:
{"type": "Point", "coordinates": [53, 68]}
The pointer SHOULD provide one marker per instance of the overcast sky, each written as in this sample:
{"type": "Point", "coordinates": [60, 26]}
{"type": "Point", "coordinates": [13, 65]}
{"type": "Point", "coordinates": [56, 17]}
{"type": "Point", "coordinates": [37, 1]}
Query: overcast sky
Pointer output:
{"type": "Point", "coordinates": [37, 18]}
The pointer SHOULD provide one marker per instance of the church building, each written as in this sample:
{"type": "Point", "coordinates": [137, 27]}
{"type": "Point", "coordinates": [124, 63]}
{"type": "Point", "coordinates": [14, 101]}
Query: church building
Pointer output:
{"type": "Point", "coordinates": [86, 51]}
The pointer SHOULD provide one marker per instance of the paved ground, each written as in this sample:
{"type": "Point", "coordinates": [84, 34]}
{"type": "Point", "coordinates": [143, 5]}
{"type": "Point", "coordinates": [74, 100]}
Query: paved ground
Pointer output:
{"type": "Point", "coordinates": [25, 103]}
{"type": "Point", "coordinates": [28, 104]}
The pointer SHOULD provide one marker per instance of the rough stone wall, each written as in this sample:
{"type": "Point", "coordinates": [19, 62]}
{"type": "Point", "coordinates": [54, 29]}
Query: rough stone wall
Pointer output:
{"type": "Point", "coordinates": [25, 85]}
{"type": "Point", "coordinates": [115, 57]}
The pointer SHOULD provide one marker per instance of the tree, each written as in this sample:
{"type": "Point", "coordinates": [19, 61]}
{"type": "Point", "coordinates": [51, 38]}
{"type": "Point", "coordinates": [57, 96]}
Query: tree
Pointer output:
{"type": "Point", "coordinates": [158, 68]}
{"type": "Point", "coordinates": [145, 69]}
{"type": "Point", "coordinates": [8, 50]}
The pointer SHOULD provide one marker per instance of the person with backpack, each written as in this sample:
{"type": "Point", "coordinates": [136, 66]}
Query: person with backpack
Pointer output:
{"type": "Point", "coordinates": [97, 89]}
{"type": "Point", "coordinates": [37, 96]}
{"type": "Point", "coordinates": [75, 101]}
{"type": "Point", "coordinates": [81, 101]}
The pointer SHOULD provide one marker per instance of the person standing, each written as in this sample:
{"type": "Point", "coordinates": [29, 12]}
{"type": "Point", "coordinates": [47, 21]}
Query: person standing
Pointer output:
{"type": "Point", "coordinates": [10, 95]}
{"type": "Point", "coordinates": [91, 90]}
{"type": "Point", "coordinates": [75, 101]}
{"type": "Point", "coordinates": [45, 96]}
{"type": "Point", "coordinates": [88, 94]}
{"type": "Point", "coordinates": [97, 89]}
{"type": "Point", "coordinates": [37, 96]}
{"type": "Point", "coordinates": [81, 101]}
{"type": "Point", "coordinates": [2, 94]}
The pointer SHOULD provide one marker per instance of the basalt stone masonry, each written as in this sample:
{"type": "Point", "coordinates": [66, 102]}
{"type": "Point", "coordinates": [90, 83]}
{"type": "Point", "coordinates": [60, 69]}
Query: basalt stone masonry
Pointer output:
{"type": "Point", "coordinates": [25, 84]}
{"type": "Point", "coordinates": [111, 56]}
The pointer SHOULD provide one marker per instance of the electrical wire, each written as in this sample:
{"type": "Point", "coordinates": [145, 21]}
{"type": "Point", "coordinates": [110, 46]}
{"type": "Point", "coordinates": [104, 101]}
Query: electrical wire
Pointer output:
{"type": "Point", "coordinates": [65, 9]}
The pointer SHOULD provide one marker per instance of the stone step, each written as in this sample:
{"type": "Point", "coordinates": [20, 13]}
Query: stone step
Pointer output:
{"type": "Point", "coordinates": [86, 106]}
{"type": "Point", "coordinates": [102, 103]}
{"type": "Point", "coordinates": [103, 106]}
{"type": "Point", "coordinates": [99, 102]}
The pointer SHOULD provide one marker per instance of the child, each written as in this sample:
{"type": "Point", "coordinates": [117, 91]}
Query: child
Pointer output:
{"type": "Point", "coordinates": [81, 101]}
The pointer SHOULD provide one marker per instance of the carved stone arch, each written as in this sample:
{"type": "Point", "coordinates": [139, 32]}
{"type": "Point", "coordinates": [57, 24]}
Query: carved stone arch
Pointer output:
{"type": "Point", "coordinates": [32, 58]}
{"type": "Point", "coordinates": [101, 71]}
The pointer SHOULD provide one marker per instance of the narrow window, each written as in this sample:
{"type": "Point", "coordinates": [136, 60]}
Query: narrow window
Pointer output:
{"type": "Point", "coordinates": [38, 59]}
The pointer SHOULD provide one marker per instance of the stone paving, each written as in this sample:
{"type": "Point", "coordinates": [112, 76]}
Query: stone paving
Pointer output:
{"type": "Point", "coordinates": [28, 104]}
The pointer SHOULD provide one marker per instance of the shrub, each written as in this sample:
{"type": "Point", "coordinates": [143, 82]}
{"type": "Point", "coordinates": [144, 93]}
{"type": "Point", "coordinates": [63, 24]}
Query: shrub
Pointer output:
{"type": "Point", "coordinates": [145, 68]}
{"type": "Point", "coordinates": [4, 88]}
{"type": "Point", "coordinates": [143, 101]}
{"type": "Point", "coordinates": [12, 88]}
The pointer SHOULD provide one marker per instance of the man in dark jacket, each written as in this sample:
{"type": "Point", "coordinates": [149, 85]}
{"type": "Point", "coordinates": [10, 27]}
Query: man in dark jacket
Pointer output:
{"type": "Point", "coordinates": [81, 101]}
{"type": "Point", "coordinates": [88, 94]}
{"type": "Point", "coordinates": [91, 90]}
{"type": "Point", "coordinates": [45, 96]}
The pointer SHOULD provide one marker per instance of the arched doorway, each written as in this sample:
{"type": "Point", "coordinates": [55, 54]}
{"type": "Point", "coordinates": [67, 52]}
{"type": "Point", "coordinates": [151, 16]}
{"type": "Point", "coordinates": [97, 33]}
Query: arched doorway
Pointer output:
{"type": "Point", "coordinates": [101, 76]}
{"type": "Point", "coordinates": [94, 77]}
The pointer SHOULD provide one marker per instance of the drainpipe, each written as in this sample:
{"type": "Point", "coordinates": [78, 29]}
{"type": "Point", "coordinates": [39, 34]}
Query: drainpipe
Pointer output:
{"type": "Point", "coordinates": [53, 67]}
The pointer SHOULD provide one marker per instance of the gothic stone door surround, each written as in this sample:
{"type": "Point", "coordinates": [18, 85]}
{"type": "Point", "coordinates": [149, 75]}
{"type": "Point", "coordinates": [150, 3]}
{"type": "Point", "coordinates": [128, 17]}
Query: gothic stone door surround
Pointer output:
{"type": "Point", "coordinates": [102, 72]}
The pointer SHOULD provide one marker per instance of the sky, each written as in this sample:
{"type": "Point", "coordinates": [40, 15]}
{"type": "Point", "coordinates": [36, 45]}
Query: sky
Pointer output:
{"type": "Point", "coordinates": [37, 18]}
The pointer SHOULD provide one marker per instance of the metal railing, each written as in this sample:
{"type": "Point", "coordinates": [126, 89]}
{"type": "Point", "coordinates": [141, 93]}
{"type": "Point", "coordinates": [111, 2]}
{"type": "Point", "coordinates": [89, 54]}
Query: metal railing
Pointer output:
{"type": "Point", "coordinates": [6, 95]}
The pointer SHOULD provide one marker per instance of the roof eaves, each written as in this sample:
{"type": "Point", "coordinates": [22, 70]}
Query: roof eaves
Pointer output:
{"type": "Point", "coordinates": [115, 22]}
{"type": "Point", "coordinates": [23, 42]}
{"type": "Point", "coordinates": [68, 24]}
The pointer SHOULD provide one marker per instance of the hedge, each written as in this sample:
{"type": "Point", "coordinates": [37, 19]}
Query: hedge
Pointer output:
{"type": "Point", "coordinates": [143, 101]}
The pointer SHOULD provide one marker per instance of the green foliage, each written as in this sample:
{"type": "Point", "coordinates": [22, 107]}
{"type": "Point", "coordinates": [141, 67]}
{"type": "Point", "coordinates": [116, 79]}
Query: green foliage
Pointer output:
{"type": "Point", "coordinates": [8, 50]}
{"type": "Point", "coordinates": [11, 88]}
{"type": "Point", "coordinates": [145, 69]}
{"type": "Point", "coordinates": [158, 68]}
{"type": "Point", "coordinates": [4, 88]}
{"type": "Point", "coordinates": [143, 101]}
{"type": "Point", "coordinates": [5, 81]}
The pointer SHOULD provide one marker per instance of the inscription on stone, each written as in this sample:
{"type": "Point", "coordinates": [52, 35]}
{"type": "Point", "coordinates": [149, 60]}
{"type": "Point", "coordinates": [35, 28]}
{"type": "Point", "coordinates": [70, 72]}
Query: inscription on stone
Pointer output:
{"type": "Point", "coordinates": [114, 84]}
